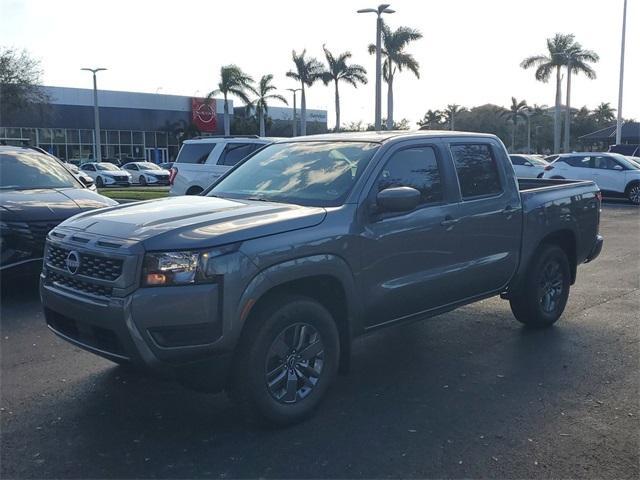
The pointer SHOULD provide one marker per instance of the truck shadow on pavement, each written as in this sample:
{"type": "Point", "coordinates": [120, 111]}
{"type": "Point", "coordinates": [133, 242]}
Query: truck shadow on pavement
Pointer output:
{"type": "Point", "coordinates": [445, 389]}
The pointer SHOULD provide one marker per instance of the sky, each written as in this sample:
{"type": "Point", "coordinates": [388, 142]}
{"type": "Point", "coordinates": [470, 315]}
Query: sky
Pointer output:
{"type": "Point", "coordinates": [469, 55]}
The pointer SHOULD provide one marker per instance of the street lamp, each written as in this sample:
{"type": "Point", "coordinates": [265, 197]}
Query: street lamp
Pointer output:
{"type": "Point", "coordinates": [96, 114]}
{"type": "Point", "coordinates": [383, 8]}
{"type": "Point", "coordinates": [295, 121]}
{"type": "Point", "coordinates": [619, 119]}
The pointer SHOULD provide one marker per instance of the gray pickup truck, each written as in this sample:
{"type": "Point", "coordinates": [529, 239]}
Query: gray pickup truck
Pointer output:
{"type": "Point", "coordinates": [260, 285]}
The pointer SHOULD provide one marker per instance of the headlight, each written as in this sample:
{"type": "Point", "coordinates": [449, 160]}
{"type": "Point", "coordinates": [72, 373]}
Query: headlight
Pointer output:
{"type": "Point", "coordinates": [182, 268]}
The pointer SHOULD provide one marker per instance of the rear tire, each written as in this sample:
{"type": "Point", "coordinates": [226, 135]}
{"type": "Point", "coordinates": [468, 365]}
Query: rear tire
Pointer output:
{"type": "Point", "coordinates": [633, 193]}
{"type": "Point", "coordinates": [543, 295]}
{"type": "Point", "coordinates": [99, 182]}
{"type": "Point", "coordinates": [286, 360]}
{"type": "Point", "coordinates": [142, 180]}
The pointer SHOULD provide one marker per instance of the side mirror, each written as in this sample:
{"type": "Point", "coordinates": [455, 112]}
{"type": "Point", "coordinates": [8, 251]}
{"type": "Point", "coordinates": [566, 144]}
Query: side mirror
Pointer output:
{"type": "Point", "coordinates": [86, 181]}
{"type": "Point", "coordinates": [398, 199]}
{"type": "Point", "coordinates": [618, 167]}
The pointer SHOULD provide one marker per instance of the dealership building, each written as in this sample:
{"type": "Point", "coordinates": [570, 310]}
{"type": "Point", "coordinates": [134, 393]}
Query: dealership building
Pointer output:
{"type": "Point", "coordinates": [132, 125]}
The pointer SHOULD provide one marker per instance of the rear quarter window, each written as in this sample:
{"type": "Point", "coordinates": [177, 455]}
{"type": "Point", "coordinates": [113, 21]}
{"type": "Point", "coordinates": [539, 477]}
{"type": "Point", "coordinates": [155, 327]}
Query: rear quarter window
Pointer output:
{"type": "Point", "coordinates": [196, 153]}
{"type": "Point", "coordinates": [234, 152]}
{"type": "Point", "coordinates": [477, 170]}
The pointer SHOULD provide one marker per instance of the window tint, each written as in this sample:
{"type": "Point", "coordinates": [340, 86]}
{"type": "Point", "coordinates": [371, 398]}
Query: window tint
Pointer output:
{"type": "Point", "coordinates": [416, 168]}
{"type": "Point", "coordinates": [578, 162]}
{"type": "Point", "coordinates": [517, 160]}
{"type": "Point", "coordinates": [477, 170]}
{"type": "Point", "coordinates": [604, 163]}
{"type": "Point", "coordinates": [234, 152]}
{"type": "Point", "coordinates": [195, 152]}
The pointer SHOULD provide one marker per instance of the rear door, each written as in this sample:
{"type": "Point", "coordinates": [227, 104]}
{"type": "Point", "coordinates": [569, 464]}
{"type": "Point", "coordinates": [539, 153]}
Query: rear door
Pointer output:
{"type": "Point", "coordinates": [489, 218]}
{"type": "Point", "coordinates": [608, 173]}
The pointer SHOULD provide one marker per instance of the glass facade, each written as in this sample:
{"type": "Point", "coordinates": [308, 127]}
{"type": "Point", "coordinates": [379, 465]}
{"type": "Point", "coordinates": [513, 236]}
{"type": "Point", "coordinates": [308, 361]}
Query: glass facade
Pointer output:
{"type": "Point", "coordinates": [77, 144]}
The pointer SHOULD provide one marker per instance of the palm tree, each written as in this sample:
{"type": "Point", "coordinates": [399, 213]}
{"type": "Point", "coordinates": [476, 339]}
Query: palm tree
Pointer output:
{"type": "Point", "coordinates": [554, 59]}
{"type": "Point", "coordinates": [450, 114]}
{"type": "Point", "coordinates": [432, 119]}
{"type": "Point", "coordinates": [337, 70]}
{"type": "Point", "coordinates": [263, 91]}
{"type": "Point", "coordinates": [307, 72]}
{"type": "Point", "coordinates": [604, 114]}
{"type": "Point", "coordinates": [396, 59]}
{"type": "Point", "coordinates": [233, 81]}
{"type": "Point", "coordinates": [516, 111]}
{"type": "Point", "coordinates": [577, 62]}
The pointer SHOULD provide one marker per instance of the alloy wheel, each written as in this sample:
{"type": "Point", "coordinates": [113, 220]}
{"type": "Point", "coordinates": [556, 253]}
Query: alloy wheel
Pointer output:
{"type": "Point", "coordinates": [551, 286]}
{"type": "Point", "coordinates": [294, 363]}
{"type": "Point", "coordinates": [634, 194]}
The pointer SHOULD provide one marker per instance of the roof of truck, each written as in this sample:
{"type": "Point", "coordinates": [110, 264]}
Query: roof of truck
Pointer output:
{"type": "Point", "coordinates": [385, 135]}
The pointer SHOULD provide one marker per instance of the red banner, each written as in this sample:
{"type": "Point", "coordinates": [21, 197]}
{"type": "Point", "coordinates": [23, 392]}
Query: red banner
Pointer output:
{"type": "Point", "coordinates": [203, 114]}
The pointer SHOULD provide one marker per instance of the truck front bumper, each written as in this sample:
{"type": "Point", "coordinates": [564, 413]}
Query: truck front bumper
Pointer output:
{"type": "Point", "coordinates": [597, 248]}
{"type": "Point", "coordinates": [180, 334]}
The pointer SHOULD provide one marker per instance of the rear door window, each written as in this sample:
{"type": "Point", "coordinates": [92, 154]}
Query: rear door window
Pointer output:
{"type": "Point", "coordinates": [234, 152]}
{"type": "Point", "coordinates": [477, 170]}
{"type": "Point", "coordinates": [195, 153]}
{"type": "Point", "coordinates": [580, 162]}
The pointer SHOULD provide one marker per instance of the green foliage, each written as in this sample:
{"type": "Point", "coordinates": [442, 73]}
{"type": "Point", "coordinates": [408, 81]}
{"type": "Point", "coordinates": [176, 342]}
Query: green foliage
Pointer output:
{"type": "Point", "coordinates": [307, 71]}
{"type": "Point", "coordinates": [233, 81]}
{"type": "Point", "coordinates": [20, 87]}
{"type": "Point", "coordinates": [396, 59]}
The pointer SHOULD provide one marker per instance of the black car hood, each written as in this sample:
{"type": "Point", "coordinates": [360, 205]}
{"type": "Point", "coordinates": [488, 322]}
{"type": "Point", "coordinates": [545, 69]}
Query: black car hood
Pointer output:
{"type": "Point", "coordinates": [48, 204]}
{"type": "Point", "coordinates": [195, 222]}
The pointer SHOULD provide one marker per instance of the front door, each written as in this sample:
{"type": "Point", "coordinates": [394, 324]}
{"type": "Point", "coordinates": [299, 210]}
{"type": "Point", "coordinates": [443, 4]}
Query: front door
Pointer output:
{"type": "Point", "coordinates": [408, 257]}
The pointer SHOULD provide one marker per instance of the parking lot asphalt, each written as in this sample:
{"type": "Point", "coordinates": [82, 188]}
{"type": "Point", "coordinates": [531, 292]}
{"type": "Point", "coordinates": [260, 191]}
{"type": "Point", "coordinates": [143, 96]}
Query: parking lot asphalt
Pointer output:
{"type": "Point", "coordinates": [467, 394]}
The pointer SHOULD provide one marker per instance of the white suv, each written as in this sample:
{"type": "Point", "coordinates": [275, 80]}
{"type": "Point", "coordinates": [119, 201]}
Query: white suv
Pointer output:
{"type": "Point", "coordinates": [202, 161]}
{"type": "Point", "coordinates": [615, 174]}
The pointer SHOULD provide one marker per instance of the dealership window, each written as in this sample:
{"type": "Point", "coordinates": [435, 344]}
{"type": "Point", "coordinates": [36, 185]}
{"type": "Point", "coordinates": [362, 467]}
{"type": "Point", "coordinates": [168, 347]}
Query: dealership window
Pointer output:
{"type": "Point", "coordinates": [59, 136]}
{"type": "Point", "coordinates": [73, 136]}
{"type": "Point", "coordinates": [149, 139]}
{"type": "Point", "coordinates": [86, 137]}
{"type": "Point", "coordinates": [113, 138]}
{"type": "Point", "coordinates": [138, 138]}
{"type": "Point", "coordinates": [125, 137]}
{"type": "Point", "coordinates": [45, 134]}
{"type": "Point", "coordinates": [161, 139]}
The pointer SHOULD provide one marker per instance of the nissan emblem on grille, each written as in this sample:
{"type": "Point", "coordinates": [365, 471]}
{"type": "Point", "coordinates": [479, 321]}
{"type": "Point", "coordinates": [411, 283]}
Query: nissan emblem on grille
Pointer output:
{"type": "Point", "coordinates": [73, 262]}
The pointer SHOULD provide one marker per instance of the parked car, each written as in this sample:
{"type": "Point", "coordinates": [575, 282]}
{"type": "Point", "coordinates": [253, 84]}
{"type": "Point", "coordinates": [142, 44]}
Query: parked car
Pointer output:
{"type": "Point", "coordinates": [615, 174]}
{"type": "Point", "coordinates": [36, 193]}
{"type": "Point", "coordinates": [260, 285]}
{"type": "Point", "coordinates": [147, 173]}
{"type": "Point", "coordinates": [528, 166]}
{"type": "Point", "coordinates": [106, 174]}
{"type": "Point", "coordinates": [202, 161]}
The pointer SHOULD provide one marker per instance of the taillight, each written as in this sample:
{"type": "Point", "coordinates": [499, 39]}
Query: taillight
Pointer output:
{"type": "Point", "coordinates": [172, 175]}
{"type": "Point", "coordinates": [548, 167]}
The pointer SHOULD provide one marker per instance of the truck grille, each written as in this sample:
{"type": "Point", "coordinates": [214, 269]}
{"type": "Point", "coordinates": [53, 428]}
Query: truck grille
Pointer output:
{"type": "Point", "coordinates": [92, 266]}
{"type": "Point", "coordinates": [80, 285]}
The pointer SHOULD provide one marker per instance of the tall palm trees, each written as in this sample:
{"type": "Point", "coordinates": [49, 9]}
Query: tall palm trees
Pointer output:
{"type": "Point", "coordinates": [307, 72]}
{"type": "Point", "coordinates": [577, 60]}
{"type": "Point", "coordinates": [516, 111]}
{"type": "Point", "coordinates": [554, 59]}
{"type": "Point", "coordinates": [396, 59]}
{"type": "Point", "coordinates": [450, 114]}
{"type": "Point", "coordinates": [233, 81]}
{"type": "Point", "coordinates": [338, 70]}
{"type": "Point", "coordinates": [603, 114]}
{"type": "Point", "coordinates": [264, 92]}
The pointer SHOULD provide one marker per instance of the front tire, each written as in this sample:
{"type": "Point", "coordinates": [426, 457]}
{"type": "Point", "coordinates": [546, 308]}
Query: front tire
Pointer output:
{"type": "Point", "coordinates": [633, 193]}
{"type": "Point", "coordinates": [142, 180]}
{"type": "Point", "coordinates": [99, 182]}
{"type": "Point", "coordinates": [286, 361]}
{"type": "Point", "coordinates": [543, 295]}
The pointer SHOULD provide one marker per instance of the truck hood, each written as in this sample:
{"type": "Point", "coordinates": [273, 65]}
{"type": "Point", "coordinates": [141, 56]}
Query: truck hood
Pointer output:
{"type": "Point", "coordinates": [49, 204]}
{"type": "Point", "coordinates": [192, 222]}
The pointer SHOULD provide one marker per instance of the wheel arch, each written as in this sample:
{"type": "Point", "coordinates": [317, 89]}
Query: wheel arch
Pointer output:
{"type": "Point", "coordinates": [567, 241]}
{"type": "Point", "coordinates": [330, 283]}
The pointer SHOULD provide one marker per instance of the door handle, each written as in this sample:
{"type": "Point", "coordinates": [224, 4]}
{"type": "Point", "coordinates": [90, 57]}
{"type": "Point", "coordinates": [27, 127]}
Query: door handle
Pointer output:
{"type": "Point", "coordinates": [449, 221]}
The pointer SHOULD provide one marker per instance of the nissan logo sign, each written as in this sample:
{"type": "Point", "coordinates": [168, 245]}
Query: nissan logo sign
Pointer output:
{"type": "Point", "coordinates": [73, 262]}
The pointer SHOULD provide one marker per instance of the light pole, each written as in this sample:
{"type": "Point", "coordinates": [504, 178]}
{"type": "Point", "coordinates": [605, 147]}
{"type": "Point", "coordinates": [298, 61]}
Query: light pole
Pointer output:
{"type": "Point", "coordinates": [619, 120]}
{"type": "Point", "coordinates": [383, 8]}
{"type": "Point", "coordinates": [96, 114]}
{"type": "Point", "coordinates": [295, 120]}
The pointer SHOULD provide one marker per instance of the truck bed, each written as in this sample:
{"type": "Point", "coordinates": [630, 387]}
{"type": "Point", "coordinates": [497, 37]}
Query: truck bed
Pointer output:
{"type": "Point", "coordinates": [527, 184]}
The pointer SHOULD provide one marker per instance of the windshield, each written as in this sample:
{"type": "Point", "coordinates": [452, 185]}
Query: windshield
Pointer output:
{"type": "Point", "coordinates": [107, 166]}
{"type": "Point", "coordinates": [148, 166]}
{"type": "Point", "coordinates": [635, 160]}
{"type": "Point", "coordinates": [25, 170]}
{"type": "Point", "coordinates": [630, 164]}
{"type": "Point", "coordinates": [305, 173]}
